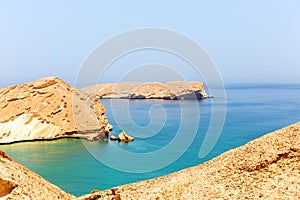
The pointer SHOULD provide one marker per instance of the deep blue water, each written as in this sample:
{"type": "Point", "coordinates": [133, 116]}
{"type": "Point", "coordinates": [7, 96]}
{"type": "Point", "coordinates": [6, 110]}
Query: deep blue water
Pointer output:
{"type": "Point", "coordinates": [79, 167]}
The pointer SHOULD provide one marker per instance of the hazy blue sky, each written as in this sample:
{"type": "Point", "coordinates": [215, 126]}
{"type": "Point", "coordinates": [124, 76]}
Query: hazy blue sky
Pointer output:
{"type": "Point", "coordinates": [249, 41]}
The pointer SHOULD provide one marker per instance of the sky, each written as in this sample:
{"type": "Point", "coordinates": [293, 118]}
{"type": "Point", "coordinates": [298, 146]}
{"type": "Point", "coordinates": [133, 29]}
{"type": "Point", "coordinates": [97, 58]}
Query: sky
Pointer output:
{"type": "Point", "coordinates": [249, 41]}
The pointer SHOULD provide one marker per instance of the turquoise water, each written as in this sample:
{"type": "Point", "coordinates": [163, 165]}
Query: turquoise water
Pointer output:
{"type": "Point", "coordinates": [252, 111]}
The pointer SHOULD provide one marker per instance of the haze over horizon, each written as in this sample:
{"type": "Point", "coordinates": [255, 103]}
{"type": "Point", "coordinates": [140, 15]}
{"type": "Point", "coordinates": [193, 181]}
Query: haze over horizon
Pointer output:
{"type": "Point", "coordinates": [250, 42]}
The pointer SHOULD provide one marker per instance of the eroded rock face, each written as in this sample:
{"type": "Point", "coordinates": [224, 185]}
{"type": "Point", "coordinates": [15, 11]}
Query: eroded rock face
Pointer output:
{"type": "Point", "coordinates": [152, 90]}
{"type": "Point", "coordinates": [6, 187]}
{"type": "Point", "coordinates": [47, 109]}
{"type": "Point", "coordinates": [17, 182]}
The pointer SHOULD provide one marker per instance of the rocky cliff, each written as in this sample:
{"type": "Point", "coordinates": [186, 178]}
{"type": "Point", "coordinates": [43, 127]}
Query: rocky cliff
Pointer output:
{"type": "Point", "coordinates": [150, 90]}
{"type": "Point", "coordinates": [266, 168]}
{"type": "Point", "coordinates": [47, 109]}
{"type": "Point", "coordinates": [17, 182]}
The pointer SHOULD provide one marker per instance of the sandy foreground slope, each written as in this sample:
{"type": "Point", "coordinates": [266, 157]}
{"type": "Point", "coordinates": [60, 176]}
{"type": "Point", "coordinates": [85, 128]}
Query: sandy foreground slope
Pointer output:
{"type": "Point", "coordinates": [19, 183]}
{"type": "Point", "coordinates": [266, 168]}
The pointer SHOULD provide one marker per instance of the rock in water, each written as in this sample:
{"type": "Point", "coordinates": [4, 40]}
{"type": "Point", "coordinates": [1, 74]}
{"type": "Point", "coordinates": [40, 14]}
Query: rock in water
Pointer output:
{"type": "Point", "coordinates": [123, 137]}
{"type": "Point", "coordinates": [113, 138]}
{"type": "Point", "coordinates": [17, 182]}
{"type": "Point", "coordinates": [49, 108]}
{"type": "Point", "coordinates": [149, 90]}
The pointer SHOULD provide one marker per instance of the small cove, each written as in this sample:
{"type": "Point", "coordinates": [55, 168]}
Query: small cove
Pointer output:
{"type": "Point", "coordinates": [252, 111]}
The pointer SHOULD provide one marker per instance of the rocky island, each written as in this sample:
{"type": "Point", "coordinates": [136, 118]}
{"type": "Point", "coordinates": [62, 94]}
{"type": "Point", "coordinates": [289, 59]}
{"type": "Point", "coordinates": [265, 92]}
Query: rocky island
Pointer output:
{"type": "Point", "coordinates": [150, 90]}
{"type": "Point", "coordinates": [49, 108]}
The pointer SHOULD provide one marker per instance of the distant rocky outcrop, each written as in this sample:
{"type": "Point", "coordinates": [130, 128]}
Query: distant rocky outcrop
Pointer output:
{"type": "Point", "coordinates": [266, 168]}
{"type": "Point", "coordinates": [17, 182]}
{"type": "Point", "coordinates": [151, 90]}
{"type": "Point", "coordinates": [49, 108]}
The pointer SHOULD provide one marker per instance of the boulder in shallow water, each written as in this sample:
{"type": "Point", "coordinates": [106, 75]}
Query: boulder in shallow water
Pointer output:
{"type": "Point", "coordinates": [123, 137]}
{"type": "Point", "coordinates": [114, 138]}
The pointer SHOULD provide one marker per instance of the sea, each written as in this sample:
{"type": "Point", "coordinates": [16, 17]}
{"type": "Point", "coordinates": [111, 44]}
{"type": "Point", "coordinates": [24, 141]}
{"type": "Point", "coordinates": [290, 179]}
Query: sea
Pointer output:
{"type": "Point", "coordinates": [169, 135]}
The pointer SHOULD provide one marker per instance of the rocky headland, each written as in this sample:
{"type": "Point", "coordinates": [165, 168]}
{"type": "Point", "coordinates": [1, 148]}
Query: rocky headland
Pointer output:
{"type": "Point", "coordinates": [49, 108]}
{"type": "Point", "coordinates": [150, 90]}
{"type": "Point", "coordinates": [265, 168]}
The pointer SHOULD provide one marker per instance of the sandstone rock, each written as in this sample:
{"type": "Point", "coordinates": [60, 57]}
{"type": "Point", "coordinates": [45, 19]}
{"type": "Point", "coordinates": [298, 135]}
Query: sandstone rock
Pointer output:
{"type": "Point", "coordinates": [47, 109]}
{"type": "Point", "coordinates": [17, 182]}
{"type": "Point", "coordinates": [113, 138]}
{"type": "Point", "coordinates": [110, 127]}
{"type": "Point", "coordinates": [6, 187]}
{"type": "Point", "coordinates": [123, 137]}
{"type": "Point", "coordinates": [187, 90]}
{"type": "Point", "coordinates": [151, 90]}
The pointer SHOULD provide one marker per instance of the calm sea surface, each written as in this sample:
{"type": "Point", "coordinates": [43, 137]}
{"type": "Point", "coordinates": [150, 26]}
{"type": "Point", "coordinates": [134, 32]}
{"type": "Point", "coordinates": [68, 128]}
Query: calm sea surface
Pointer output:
{"type": "Point", "coordinates": [74, 165]}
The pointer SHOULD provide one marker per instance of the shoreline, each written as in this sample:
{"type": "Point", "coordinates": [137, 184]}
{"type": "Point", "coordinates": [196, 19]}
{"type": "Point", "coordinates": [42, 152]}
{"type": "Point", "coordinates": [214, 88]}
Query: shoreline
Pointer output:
{"type": "Point", "coordinates": [253, 170]}
{"type": "Point", "coordinates": [39, 140]}
{"type": "Point", "coordinates": [257, 169]}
